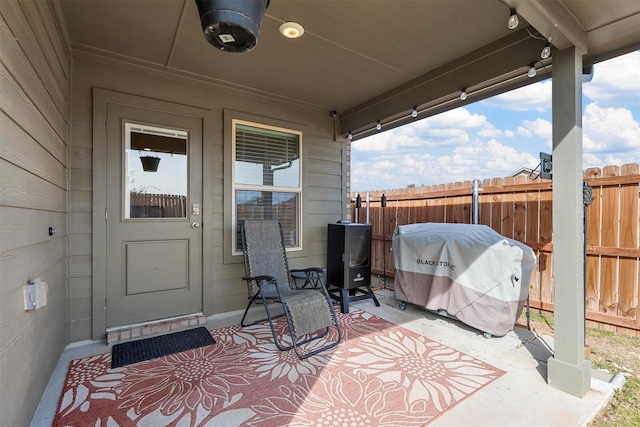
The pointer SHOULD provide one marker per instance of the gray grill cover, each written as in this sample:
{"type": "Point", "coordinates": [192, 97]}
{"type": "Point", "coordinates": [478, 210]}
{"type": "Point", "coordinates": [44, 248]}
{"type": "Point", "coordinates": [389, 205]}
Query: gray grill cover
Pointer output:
{"type": "Point", "coordinates": [472, 272]}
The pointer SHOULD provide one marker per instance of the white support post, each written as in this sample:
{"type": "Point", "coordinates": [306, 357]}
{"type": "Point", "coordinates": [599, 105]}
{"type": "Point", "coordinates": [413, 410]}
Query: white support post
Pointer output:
{"type": "Point", "coordinates": [567, 369]}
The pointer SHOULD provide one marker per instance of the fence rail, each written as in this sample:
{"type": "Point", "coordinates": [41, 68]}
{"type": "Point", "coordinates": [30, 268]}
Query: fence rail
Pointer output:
{"type": "Point", "coordinates": [521, 209]}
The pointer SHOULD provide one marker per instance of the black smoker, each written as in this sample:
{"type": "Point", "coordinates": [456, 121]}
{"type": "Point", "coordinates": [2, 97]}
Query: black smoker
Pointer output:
{"type": "Point", "coordinates": [349, 262]}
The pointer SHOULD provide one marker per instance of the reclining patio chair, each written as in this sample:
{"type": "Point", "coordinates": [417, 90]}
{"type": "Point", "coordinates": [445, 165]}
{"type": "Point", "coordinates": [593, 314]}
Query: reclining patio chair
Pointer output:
{"type": "Point", "coordinates": [309, 312]}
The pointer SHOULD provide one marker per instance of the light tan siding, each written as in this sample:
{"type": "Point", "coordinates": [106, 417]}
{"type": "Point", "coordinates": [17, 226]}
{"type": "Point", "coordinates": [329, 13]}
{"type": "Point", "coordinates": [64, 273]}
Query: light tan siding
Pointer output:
{"type": "Point", "coordinates": [34, 123]}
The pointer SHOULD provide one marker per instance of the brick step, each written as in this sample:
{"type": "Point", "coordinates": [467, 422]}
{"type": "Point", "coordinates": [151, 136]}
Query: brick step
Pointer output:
{"type": "Point", "coordinates": [136, 331]}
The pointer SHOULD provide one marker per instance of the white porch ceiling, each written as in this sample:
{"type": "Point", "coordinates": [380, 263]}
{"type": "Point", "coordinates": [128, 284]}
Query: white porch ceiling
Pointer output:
{"type": "Point", "coordinates": [368, 60]}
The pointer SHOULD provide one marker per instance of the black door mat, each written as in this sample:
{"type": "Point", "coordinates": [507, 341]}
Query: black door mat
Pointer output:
{"type": "Point", "coordinates": [149, 348]}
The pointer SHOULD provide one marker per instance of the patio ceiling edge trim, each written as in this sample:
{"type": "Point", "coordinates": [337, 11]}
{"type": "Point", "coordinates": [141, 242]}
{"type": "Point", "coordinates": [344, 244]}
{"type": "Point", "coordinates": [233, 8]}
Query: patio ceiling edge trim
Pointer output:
{"type": "Point", "coordinates": [505, 84]}
{"type": "Point", "coordinates": [552, 19]}
{"type": "Point", "coordinates": [494, 62]}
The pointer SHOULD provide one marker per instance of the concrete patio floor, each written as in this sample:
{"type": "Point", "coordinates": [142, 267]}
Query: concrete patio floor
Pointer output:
{"type": "Point", "coordinates": [521, 397]}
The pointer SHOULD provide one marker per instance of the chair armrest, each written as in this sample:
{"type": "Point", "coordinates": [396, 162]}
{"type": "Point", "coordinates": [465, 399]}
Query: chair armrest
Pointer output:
{"type": "Point", "coordinates": [313, 277]}
{"type": "Point", "coordinates": [309, 270]}
{"type": "Point", "coordinates": [260, 279]}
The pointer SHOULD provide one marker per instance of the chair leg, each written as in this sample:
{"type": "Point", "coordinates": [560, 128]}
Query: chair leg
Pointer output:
{"type": "Point", "coordinates": [251, 301]}
{"type": "Point", "coordinates": [294, 339]}
{"type": "Point", "coordinates": [255, 322]}
{"type": "Point", "coordinates": [273, 330]}
{"type": "Point", "coordinates": [303, 356]}
{"type": "Point", "coordinates": [271, 318]}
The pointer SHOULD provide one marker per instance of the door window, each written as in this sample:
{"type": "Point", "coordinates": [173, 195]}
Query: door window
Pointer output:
{"type": "Point", "coordinates": [155, 172]}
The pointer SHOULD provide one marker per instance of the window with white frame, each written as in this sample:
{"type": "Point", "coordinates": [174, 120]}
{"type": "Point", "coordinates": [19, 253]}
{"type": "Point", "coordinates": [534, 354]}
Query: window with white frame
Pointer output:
{"type": "Point", "coordinates": [267, 178]}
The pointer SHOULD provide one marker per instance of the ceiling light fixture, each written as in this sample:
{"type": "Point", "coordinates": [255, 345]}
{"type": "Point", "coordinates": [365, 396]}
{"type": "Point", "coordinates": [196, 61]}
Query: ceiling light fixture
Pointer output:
{"type": "Point", "coordinates": [546, 51]}
{"type": "Point", "coordinates": [513, 21]}
{"type": "Point", "coordinates": [350, 136]}
{"type": "Point", "coordinates": [463, 94]}
{"type": "Point", "coordinates": [414, 113]}
{"type": "Point", "coordinates": [379, 125]}
{"type": "Point", "coordinates": [291, 30]}
{"type": "Point", "coordinates": [532, 70]}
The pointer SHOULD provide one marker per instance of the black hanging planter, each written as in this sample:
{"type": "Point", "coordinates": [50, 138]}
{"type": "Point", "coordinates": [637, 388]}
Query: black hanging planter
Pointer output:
{"type": "Point", "coordinates": [150, 163]}
{"type": "Point", "coordinates": [232, 25]}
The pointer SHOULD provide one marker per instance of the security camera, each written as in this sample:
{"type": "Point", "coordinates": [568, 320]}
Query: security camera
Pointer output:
{"type": "Point", "coordinates": [333, 114]}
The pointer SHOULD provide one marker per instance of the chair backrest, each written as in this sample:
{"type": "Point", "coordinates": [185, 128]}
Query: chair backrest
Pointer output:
{"type": "Point", "coordinates": [265, 253]}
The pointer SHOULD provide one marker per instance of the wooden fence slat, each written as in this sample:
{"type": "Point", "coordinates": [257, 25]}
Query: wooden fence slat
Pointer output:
{"type": "Point", "coordinates": [592, 267]}
{"type": "Point", "coordinates": [531, 216]}
{"type": "Point", "coordinates": [520, 217]}
{"type": "Point", "coordinates": [545, 260]}
{"type": "Point", "coordinates": [628, 276]}
{"type": "Point", "coordinates": [507, 215]}
{"type": "Point", "coordinates": [484, 209]}
{"type": "Point", "coordinates": [545, 264]}
{"type": "Point", "coordinates": [435, 210]}
{"type": "Point", "coordinates": [546, 217]}
{"type": "Point", "coordinates": [532, 235]}
{"type": "Point", "coordinates": [609, 227]}
{"type": "Point", "coordinates": [496, 212]}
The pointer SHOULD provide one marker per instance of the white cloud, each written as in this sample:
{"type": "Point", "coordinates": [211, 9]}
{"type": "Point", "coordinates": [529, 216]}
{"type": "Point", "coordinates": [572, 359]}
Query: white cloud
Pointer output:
{"type": "Point", "coordinates": [589, 146]}
{"type": "Point", "coordinates": [447, 136]}
{"type": "Point", "coordinates": [492, 133]}
{"type": "Point", "coordinates": [459, 117]}
{"type": "Point", "coordinates": [382, 142]}
{"type": "Point", "coordinates": [539, 127]}
{"type": "Point", "coordinates": [610, 129]}
{"type": "Point", "coordinates": [620, 159]}
{"type": "Point", "coordinates": [449, 128]}
{"type": "Point", "coordinates": [534, 97]}
{"type": "Point", "coordinates": [590, 160]}
{"type": "Point", "coordinates": [524, 132]}
{"type": "Point", "coordinates": [616, 82]}
{"type": "Point", "coordinates": [446, 129]}
{"type": "Point", "coordinates": [479, 159]}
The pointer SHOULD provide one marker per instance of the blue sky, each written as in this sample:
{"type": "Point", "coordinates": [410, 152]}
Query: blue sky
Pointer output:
{"type": "Point", "coordinates": [498, 136]}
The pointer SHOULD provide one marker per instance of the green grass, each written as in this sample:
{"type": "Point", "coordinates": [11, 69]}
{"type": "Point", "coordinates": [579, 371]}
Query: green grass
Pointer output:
{"type": "Point", "coordinates": [592, 332]}
{"type": "Point", "coordinates": [539, 317]}
{"type": "Point", "coordinates": [624, 409]}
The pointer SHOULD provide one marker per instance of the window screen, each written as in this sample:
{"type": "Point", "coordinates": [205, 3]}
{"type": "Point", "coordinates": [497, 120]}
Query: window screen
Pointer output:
{"type": "Point", "coordinates": [267, 178]}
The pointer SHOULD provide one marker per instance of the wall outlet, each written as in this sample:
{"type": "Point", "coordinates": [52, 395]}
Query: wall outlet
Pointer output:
{"type": "Point", "coordinates": [35, 294]}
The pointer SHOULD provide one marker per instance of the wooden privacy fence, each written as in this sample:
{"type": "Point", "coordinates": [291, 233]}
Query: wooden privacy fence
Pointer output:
{"type": "Point", "coordinates": [145, 205]}
{"type": "Point", "coordinates": [521, 209]}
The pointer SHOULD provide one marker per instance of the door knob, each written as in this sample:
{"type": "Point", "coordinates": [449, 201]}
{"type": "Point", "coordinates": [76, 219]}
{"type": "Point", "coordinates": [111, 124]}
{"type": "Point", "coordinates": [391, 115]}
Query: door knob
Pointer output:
{"type": "Point", "coordinates": [195, 225]}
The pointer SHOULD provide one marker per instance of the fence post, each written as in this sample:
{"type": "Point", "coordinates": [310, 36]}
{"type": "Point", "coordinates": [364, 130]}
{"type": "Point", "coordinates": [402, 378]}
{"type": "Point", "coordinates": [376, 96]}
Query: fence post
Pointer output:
{"type": "Point", "coordinates": [366, 221]}
{"type": "Point", "coordinates": [476, 190]}
{"type": "Point", "coordinates": [383, 205]}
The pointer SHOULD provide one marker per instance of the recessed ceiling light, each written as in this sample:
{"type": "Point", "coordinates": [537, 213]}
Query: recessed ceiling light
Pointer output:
{"type": "Point", "coordinates": [291, 30]}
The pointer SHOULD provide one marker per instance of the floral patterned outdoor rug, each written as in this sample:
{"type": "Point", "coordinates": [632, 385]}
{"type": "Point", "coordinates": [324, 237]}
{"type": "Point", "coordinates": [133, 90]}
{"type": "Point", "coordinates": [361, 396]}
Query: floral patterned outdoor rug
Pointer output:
{"type": "Point", "coordinates": [380, 375]}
